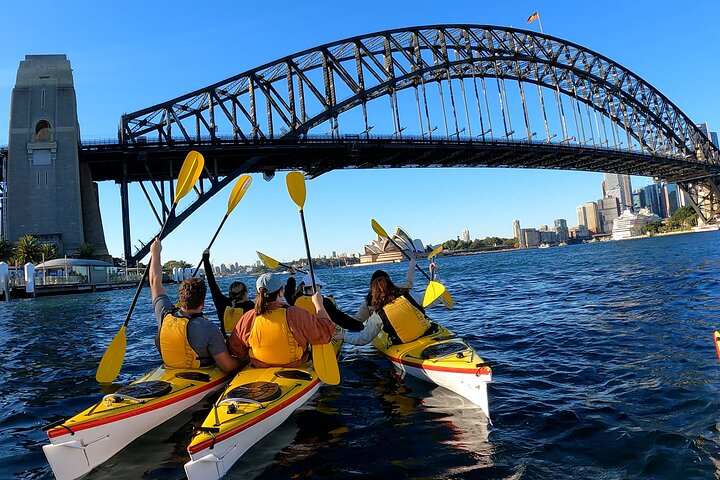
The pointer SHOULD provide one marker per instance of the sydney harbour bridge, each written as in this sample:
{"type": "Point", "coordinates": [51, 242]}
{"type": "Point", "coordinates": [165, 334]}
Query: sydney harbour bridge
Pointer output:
{"type": "Point", "coordinates": [430, 96]}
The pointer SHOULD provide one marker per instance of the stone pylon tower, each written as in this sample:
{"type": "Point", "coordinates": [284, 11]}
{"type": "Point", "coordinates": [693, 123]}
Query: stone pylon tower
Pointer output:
{"type": "Point", "coordinates": [49, 195]}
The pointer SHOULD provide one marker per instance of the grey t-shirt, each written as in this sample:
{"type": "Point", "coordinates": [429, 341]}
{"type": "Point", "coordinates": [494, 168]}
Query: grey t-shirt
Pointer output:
{"type": "Point", "coordinates": [204, 336]}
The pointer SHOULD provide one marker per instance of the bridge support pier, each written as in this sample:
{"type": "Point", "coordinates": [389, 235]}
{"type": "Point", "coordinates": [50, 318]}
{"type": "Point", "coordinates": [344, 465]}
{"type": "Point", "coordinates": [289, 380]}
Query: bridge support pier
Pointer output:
{"type": "Point", "coordinates": [704, 196]}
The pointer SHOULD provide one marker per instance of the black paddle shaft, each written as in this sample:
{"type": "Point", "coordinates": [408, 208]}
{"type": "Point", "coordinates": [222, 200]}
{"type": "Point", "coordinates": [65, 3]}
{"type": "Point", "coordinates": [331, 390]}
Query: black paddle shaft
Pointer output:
{"type": "Point", "coordinates": [307, 250]}
{"type": "Point", "coordinates": [211, 242]}
{"type": "Point", "coordinates": [408, 257]}
{"type": "Point", "coordinates": [146, 274]}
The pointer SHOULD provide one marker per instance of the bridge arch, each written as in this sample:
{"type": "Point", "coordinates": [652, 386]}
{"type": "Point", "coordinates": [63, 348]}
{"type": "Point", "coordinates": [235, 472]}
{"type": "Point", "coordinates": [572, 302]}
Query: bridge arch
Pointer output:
{"type": "Point", "coordinates": [438, 95]}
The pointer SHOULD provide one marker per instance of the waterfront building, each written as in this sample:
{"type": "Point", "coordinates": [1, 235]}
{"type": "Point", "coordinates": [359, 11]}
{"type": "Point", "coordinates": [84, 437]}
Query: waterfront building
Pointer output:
{"type": "Point", "coordinates": [548, 237]}
{"type": "Point", "coordinates": [630, 224]}
{"type": "Point", "coordinates": [648, 197]}
{"type": "Point", "coordinates": [561, 229]}
{"type": "Point", "coordinates": [382, 250]}
{"type": "Point", "coordinates": [580, 232]}
{"type": "Point", "coordinates": [589, 216]}
{"type": "Point", "coordinates": [517, 231]}
{"type": "Point", "coordinates": [465, 235]}
{"type": "Point", "coordinates": [616, 185]}
{"type": "Point", "coordinates": [609, 209]}
{"type": "Point", "coordinates": [531, 237]}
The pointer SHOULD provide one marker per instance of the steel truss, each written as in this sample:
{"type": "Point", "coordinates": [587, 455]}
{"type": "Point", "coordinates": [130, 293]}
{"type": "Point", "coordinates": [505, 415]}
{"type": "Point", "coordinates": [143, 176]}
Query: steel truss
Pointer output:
{"type": "Point", "coordinates": [443, 69]}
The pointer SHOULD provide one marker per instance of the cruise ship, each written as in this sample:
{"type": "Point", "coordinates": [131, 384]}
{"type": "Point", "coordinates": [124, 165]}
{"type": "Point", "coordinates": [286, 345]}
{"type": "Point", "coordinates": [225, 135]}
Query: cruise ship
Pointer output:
{"type": "Point", "coordinates": [630, 224]}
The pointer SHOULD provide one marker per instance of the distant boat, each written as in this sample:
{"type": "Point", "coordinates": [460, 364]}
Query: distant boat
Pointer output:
{"type": "Point", "coordinates": [544, 245]}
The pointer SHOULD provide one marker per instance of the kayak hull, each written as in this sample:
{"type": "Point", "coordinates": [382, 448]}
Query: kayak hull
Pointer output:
{"type": "Point", "coordinates": [444, 359]}
{"type": "Point", "coordinates": [91, 437]}
{"type": "Point", "coordinates": [236, 423]}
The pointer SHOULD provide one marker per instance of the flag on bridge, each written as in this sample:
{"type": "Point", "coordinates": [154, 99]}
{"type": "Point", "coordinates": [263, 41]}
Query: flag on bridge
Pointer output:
{"type": "Point", "coordinates": [533, 17]}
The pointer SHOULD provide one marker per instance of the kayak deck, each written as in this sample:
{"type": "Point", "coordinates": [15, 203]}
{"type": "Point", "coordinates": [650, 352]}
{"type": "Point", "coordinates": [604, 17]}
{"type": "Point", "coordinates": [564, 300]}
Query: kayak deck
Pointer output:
{"type": "Point", "coordinates": [442, 358]}
{"type": "Point", "coordinates": [79, 444]}
{"type": "Point", "coordinates": [256, 402]}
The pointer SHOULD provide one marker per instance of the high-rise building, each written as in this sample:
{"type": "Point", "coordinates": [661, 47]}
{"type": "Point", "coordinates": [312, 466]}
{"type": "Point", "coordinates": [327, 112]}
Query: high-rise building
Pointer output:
{"type": "Point", "coordinates": [712, 136]}
{"type": "Point", "coordinates": [531, 237]}
{"type": "Point", "coordinates": [589, 216]}
{"type": "Point", "coordinates": [672, 201]}
{"type": "Point", "coordinates": [561, 229]}
{"type": "Point", "coordinates": [465, 235]}
{"type": "Point", "coordinates": [609, 209]}
{"type": "Point", "coordinates": [616, 185]}
{"type": "Point", "coordinates": [517, 231]}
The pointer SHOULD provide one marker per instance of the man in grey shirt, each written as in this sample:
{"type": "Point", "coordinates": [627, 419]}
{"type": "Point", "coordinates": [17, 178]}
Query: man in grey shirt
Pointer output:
{"type": "Point", "coordinates": [204, 337]}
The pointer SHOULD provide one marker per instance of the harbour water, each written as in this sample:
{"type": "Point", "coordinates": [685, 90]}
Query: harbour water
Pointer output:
{"type": "Point", "coordinates": [606, 370]}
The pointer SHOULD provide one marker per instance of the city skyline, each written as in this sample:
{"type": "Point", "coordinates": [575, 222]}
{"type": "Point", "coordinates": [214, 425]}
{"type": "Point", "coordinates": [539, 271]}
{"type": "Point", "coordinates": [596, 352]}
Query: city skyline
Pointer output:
{"type": "Point", "coordinates": [432, 204]}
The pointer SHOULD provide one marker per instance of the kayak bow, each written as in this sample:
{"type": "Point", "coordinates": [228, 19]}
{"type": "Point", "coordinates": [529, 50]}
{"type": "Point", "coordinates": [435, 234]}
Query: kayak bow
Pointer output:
{"type": "Point", "coordinates": [94, 435]}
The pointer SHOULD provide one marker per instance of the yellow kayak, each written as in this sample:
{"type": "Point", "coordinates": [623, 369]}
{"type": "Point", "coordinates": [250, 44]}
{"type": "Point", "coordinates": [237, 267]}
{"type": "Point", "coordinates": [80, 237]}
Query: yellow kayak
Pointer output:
{"type": "Point", "coordinates": [444, 359]}
{"type": "Point", "coordinates": [254, 404]}
{"type": "Point", "coordinates": [91, 437]}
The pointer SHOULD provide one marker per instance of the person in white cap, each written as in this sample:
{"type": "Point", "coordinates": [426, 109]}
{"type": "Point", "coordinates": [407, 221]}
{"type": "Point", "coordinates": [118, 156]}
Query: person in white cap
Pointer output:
{"type": "Point", "coordinates": [340, 318]}
{"type": "Point", "coordinates": [274, 335]}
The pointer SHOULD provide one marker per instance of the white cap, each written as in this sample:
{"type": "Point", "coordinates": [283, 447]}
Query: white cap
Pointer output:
{"type": "Point", "coordinates": [308, 281]}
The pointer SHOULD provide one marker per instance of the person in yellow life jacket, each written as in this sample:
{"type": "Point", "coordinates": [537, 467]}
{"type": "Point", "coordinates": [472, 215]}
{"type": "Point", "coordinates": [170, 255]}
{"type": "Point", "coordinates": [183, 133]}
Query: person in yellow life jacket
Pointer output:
{"type": "Point", "coordinates": [229, 308]}
{"type": "Point", "coordinates": [186, 339]}
{"type": "Point", "coordinates": [276, 335]}
{"type": "Point", "coordinates": [395, 311]}
{"type": "Point", "coordinates": [338, 317]}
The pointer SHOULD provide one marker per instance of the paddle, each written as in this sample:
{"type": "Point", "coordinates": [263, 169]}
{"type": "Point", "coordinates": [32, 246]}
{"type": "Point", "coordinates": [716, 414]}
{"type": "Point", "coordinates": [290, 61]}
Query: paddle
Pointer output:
{"type": "Point", "coordinates": [434, 289]}
{"type": "Point", "coordinates": [445, 298]}
{"type": "Point", "coordinates": [236, 195]}
{"type": "Point", "coordinates": [716, 337]}
{"type": "Point", "coordinates": [272, 264]}
{"type": "Point", "coordinates": [324, 357]}
{"type": "Point", "coordinates": [114, 356]}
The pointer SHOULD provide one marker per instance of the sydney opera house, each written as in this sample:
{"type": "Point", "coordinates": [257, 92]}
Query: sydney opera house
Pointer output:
{"type": "Point", "coordinates": [381, 250]}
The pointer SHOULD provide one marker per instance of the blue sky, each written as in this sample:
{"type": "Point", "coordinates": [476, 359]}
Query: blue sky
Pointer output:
{"type": "Point", "coordinates": [131, 55]}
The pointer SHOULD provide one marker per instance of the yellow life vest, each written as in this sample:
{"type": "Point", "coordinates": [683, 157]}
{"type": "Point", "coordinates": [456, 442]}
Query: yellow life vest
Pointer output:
{"type": "Point", "coordinates": [231, 316]}
{"type": "Point", "coordinates": [174, 346]}
{"type": "Point", "coordinates": [271, 340]}
{"type": "Point", "coordinates": [408, 321]}
{"type": "Point", "coordinates": [305, 302]}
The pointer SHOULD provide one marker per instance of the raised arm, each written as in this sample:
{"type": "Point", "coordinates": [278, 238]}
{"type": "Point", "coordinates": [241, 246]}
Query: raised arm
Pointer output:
{"type": "Point", "coordinates": [219, 300]}
{"type": "Point", "coordinates": [156, 286]}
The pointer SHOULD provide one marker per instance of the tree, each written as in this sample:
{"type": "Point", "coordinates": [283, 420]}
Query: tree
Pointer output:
{"type": "Point", "coordinates": [170, 264]}
{"type": "Point", "coordinates": [85, 250]}
{"type": "Point", "coordinates": [27, 250]}
{"type": "Point", "coordinates": [7, 250]}
{"type": "Point", "coordinates": [653, 228]}
{"type": "Point", "coordinates": [48, 251]}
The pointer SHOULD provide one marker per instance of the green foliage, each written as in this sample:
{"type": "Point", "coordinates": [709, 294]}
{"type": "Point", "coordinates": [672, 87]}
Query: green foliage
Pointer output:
{"type": "Point", "coordinates": [7, 250]}
{"type": "Point", "coordinates": [684, 217]}
{"type": "Point", "coordinates": [170, 264]}
{"type": "Point", "coordinates": [653, 228]}
{"type": "Point", "coordinates": [48, 251]}
{"type": "Point", "coordinates": [85, 250]}
{"type": "Point", "coordinates": [27, 250]}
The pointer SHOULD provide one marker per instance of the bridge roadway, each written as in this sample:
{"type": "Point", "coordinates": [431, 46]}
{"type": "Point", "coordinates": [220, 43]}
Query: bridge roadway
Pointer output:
{"type": "Point", "coordinates": [317, 155]}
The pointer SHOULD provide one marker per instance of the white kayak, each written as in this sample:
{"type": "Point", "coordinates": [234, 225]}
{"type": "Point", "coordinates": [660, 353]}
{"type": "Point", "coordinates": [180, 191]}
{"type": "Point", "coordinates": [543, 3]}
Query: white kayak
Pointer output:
{"type": "Point", "coordinates": [88, 439]}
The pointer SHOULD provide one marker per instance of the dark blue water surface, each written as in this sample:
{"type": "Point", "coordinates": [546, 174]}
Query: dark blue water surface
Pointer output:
{"type": "Point", "coordinates": [606, 370]}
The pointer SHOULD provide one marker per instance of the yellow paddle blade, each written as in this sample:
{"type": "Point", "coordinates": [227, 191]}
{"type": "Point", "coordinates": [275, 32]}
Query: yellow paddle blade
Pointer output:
{"type": "Point", "coordinates": [378, 229]}
{"type": "Point", "coordinates": [447, 300]}
{"type": "Point", "coordinates": [296, 188]}
{"type": "Point", "coordinates": [432, 292]}
{"type": "Point", "coordinates": [189, 173]}
{"type": "Point", "coordinates": [238, 191]}
{"type": "Point", "coordinates": [269, 262]}
{"type": "Point", "coordinates": [325, 363]}
{"type": "Point", "coordinates": [112, 360]}
{"type": "Point", "coordinates": [717, 342]}
{"type": "Point", "coordinates": [435, 252]}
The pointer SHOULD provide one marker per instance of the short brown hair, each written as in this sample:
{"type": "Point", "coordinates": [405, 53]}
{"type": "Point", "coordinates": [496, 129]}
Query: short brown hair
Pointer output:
{"type": "Point", "coordinates": [192, 293]}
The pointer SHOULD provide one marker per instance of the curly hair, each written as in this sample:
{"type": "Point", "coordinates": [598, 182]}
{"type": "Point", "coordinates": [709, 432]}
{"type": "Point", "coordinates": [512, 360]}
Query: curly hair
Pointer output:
{"type": "Point", "coordinates": [192, 293]}
{"type": "Point", "coordinates": [383, 291]}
